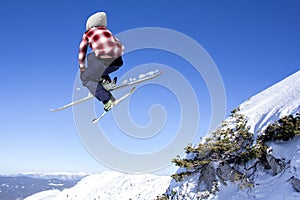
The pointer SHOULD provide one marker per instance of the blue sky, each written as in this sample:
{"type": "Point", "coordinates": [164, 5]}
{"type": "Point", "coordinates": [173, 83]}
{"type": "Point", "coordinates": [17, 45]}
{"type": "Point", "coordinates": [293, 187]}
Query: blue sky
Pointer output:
{"type": "Point", "coordinates": [253, 43]}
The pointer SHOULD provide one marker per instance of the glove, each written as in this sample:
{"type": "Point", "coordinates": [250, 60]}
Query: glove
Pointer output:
{"type": "Point", "coordinates": [82, 70]}
{"type": "Point", "coordinates": [82, 75]}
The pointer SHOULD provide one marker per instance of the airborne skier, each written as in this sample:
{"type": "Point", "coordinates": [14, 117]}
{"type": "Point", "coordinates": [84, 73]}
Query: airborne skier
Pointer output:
{"type": "Point", "coordinates": [105, 58]}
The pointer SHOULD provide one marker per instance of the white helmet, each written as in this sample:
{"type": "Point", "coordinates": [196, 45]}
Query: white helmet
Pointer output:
{"type": "Point", "coordinates": [97, 19]}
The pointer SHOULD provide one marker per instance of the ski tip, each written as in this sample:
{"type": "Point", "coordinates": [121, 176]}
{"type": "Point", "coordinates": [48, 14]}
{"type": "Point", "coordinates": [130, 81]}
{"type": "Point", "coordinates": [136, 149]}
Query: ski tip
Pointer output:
{"type": "Point", "coordinates": [94, 121]}
{"type": "Point", "coordinates": [55, 109]}
{"type": "Point", "coordinates": [158, 72]}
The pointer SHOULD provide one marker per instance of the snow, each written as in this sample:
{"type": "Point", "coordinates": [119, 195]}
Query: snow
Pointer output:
{"type": "Point", "coordinates": [45, 195]}
{"type": "Point", "coordinates": [279, 100]}
{"type": "Point", "coordinates": [111, 185]}
{"type": "Point", "coordinates": [270, 105]}
{"type": "Point", "coordinates": [56, 184]}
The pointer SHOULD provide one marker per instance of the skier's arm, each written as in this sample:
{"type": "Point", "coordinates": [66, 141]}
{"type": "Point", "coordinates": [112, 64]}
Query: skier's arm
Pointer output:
{"type": "Point", "coordinates": [82, 52]}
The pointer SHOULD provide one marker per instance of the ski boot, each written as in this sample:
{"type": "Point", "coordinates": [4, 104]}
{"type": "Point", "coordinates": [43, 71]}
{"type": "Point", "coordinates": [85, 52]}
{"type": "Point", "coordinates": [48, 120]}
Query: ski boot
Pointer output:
{"type": "Point", "coordinates": [107, 83]}
{"type": "Point", "coordinates": [108, 105]}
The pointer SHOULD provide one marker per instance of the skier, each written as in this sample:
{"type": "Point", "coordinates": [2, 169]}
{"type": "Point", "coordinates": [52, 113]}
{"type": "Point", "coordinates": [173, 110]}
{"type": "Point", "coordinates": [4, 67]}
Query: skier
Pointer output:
{"type": "Point", "coordinates": [105, 58]}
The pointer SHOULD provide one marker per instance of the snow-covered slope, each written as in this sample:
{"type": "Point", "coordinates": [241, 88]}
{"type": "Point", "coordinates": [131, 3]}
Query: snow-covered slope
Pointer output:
{"type": "Point", "coordinates": [279, 100]}
{"type": "Point", "coordinates": [45, 195]}
{"type": "Point", "coordinates": [111, 186]}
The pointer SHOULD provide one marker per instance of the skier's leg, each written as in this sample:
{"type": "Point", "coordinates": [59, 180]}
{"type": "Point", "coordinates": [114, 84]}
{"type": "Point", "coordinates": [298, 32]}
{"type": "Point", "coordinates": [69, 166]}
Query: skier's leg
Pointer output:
{"type": "Point", "coordinates": [92, 76]}
{"type": "Point", "coordinates": [110, 69]}
{"type": "Point", "coordinates": [112, 66]}
{"type": "Point", "coordinates": [95, 68]}
{"type": "Point", "coordinates": [106, 81]}
{"type": "Point", "coordinates": [98, 91]}
{"type": "Point", "coordinates": [102, 95]}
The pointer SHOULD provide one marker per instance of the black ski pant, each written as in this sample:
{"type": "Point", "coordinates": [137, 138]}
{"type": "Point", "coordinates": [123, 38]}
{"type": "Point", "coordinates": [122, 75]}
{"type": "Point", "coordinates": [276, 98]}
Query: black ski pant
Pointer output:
{"type": "Point", "coordinates": [96, 68]}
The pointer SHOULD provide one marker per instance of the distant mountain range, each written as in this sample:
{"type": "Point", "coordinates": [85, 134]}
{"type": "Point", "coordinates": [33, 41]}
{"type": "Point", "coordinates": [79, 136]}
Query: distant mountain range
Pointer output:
{"type": "Point", "coordinates": [18, 187]}
{"type": "Point", "coordinates": [55, 175]}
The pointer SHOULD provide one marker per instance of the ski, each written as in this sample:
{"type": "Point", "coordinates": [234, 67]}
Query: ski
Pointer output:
{"type": "Point", "coordinates": [88, 97]}
{"type": "Point", "coordinates": [117, 101]}
{"type": "Point", "coordinates": [128, 82]}
{"type": "Point", "coordinates": [142, 77]}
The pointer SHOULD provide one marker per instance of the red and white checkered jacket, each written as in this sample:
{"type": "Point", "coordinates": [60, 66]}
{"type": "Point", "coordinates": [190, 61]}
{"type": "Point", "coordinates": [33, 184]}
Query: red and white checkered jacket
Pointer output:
{"type": "Point", "coordinates": [102, 42]}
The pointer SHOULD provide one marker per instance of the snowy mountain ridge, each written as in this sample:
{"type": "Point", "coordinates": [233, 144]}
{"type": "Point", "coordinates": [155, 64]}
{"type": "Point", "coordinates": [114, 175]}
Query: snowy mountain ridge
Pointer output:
{"type": "Point", "coordinates": [110, 185]}
{"type": "Point", "coordinates": [279, 100]}
{"type": "Point", "coordinates": [57, 175]}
